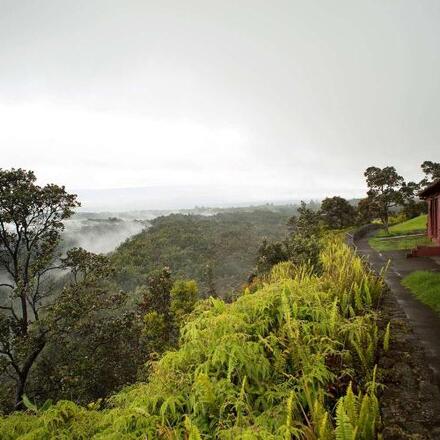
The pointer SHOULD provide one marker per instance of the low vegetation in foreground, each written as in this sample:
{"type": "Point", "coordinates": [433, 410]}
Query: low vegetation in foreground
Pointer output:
{"type": "Point", "coordinates": [402, 236]}
{"type": "Point", "coordinates": [294, 359]}
{"type": "Point", "coordinates": [425, 286]}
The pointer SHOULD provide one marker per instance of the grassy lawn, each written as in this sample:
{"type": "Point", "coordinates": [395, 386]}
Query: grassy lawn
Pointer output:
{"type": "Point", "coordinates": [426, 287]}
{"type": "Point", "coordinates": [398, 244]}
{"type": "Point", "coordinates": [391, 242]}
{"type": "Point", "coordinates": [412, 226]}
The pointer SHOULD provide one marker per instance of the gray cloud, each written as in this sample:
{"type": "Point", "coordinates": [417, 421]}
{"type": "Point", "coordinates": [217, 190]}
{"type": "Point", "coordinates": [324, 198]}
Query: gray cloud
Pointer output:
{"type": "Point", "coordinates": [233, 100]}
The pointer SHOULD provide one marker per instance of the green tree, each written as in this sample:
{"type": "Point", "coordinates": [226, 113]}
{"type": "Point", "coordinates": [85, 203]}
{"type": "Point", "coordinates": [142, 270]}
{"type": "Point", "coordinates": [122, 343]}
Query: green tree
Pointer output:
{"type": "Point", "coordinates": [165, 304]}
{"type": "Point", "coordinates": [306, 223]}
{"type": "Point", "coordinates": [99, 354]}
{"type": "Point", "coordinates": [31, 220]}
{"type": "Point", "coordinates": [387, 190]}
{"type": "Point", "coordinates": [301, 246]}
{"type": "Point", "coordinates": [303, 249]}
{"type": "Point", "coordinates": [414, 208]}
{"type": "Point", "coordinates": [337, 212]}
{"type": "Point", "coordinates": [85, 265]}
{"type": "Point", "coordinates": [155, 307]}
{"type": "Point", "coordinates": [157, 295]}
{"type": "Point", "coordinates": [210, 281]}
{"type": "Point", "coordinates": [269, 254]}
{"type": "Point", "coordinates": [92, 336]}
{"type": "Point", "coordinates": [432, 172]}
{"type": "Point", "coordinates": [367, 211]}
{"type": "Point", "coordinates": [184, 296]}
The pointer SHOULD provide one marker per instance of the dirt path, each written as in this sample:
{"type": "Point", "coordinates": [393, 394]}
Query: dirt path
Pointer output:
{"type": "Point", "coordinates": [409, 398]}
{"type": "Point", "coordinates": [424, 321]}
{"type": "Point", "coordinates": [410, 370]}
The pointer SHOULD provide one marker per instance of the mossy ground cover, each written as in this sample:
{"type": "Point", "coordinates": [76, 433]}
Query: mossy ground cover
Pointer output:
{"type": "Point", "coordinates": [294, 359]}
{"type": "Point", "coordinates": [425, 286]}
{"type": "Point", "coordinates": [402, 236]}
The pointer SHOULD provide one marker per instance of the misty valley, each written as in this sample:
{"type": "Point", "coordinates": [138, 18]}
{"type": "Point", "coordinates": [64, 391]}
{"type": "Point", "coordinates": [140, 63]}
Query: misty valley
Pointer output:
{"type": "Point", "coordinates": [188, 241]}
{"type": "Point", "coordinates": [101, 233]}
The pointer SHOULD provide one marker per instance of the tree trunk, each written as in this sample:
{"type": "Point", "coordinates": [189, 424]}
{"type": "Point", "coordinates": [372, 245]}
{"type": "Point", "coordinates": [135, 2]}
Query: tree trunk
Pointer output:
{"type": "Point", "coordinates": [19, 391]}
{"type": "Point", "coordinates": [385, 222]}
{"type": "Point", "coordinates": [24, 323]}
{"type": "Point", "coordinates": [23, 376]}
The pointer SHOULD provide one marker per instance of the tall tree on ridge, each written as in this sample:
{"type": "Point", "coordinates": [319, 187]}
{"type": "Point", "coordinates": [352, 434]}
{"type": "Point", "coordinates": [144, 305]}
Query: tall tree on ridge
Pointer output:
{"type": "Point", "coordinates": [31, 220]}
{"type": "Point", "coordinates": [432, 172]}
{"type": "Point", "coordinates": [387, 189]}
{"type": "Point", "coordinates": [337, 213]}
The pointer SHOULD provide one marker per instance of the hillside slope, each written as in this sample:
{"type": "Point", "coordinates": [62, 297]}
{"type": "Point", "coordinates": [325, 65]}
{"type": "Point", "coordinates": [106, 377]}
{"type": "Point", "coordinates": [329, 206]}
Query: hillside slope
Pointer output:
{"type": "Point", "coordinates": [280, 363]}
{"type": "Point", "coordinates": [188, 244]}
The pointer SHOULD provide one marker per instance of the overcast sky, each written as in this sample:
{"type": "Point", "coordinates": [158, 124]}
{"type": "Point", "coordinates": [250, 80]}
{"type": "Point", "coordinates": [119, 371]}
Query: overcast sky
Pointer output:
{"type": "Point", "coordinates": [208, 102]}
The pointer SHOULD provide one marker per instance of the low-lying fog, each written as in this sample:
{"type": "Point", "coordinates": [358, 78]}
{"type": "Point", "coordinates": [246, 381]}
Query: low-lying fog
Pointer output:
{"type": "Point", "coordinates": [101, 233]}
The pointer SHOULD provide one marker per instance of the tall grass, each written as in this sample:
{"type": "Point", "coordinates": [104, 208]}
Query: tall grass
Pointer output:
{"type": "Point", "coordinates": [294, 360]}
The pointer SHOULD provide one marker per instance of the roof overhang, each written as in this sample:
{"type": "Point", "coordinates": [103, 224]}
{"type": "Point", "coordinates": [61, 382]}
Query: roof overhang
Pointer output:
{"type": "Point", "coordinates": [430, 190]}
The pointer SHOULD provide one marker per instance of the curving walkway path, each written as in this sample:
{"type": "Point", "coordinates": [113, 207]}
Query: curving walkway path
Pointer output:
{"type": "Point", "coordinates": [425, 322]}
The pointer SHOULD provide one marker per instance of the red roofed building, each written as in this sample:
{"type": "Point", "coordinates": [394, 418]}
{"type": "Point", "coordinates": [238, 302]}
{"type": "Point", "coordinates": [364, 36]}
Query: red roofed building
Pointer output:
{"type": "Point", "coordinates": [432, 195]}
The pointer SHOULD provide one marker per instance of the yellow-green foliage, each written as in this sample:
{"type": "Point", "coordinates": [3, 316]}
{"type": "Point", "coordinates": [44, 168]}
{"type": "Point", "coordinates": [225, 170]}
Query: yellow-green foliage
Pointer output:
{"type": "Point", "coordinates": [183, 299]}
{"type": "Point", "coordinates": [386, 338]}
{"type": "Point", "coordinates": [280, 363]}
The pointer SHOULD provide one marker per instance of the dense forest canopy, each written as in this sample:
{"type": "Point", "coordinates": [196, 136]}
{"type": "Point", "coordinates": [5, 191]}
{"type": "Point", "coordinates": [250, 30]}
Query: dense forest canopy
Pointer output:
{"type": "Point", "coordinates": [193, 246]}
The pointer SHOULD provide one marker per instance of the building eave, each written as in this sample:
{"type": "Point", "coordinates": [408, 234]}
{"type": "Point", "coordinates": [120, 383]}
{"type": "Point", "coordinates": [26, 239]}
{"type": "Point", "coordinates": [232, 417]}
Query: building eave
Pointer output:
{"type": "Point", "coordinates": [433, 188]}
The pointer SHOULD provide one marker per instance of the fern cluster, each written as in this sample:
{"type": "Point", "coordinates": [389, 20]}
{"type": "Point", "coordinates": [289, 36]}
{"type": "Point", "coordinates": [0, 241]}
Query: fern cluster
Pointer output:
{"type": "Point", "coordinates": [295, 359]}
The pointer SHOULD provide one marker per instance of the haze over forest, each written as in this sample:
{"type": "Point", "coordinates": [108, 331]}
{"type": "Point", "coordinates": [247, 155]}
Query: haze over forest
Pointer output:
{"type": "Point", "coordinates": [165, 105]}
